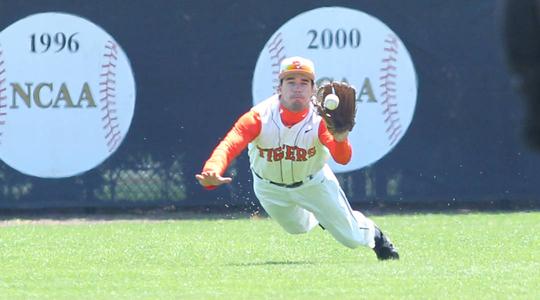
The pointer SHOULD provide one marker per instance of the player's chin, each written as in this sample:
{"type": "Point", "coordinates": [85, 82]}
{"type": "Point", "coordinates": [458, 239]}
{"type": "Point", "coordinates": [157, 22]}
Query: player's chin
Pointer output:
{"type": "Point", "coordinates": [297, 107]}
{"type": "Point", "coordinates": [299, 104]}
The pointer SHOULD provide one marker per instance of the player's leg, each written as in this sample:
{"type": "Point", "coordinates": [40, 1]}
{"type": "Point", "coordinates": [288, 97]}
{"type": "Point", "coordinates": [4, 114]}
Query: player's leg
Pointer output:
{"type": "Point", "coordinates": [326, 200]}
{"type": "Point", "coordinates": [277, 204]}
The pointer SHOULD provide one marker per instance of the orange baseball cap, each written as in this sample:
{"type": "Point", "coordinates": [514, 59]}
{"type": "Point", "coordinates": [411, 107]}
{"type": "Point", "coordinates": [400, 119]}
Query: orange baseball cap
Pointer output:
{"type": "Point", "coordinates": [297, 64]}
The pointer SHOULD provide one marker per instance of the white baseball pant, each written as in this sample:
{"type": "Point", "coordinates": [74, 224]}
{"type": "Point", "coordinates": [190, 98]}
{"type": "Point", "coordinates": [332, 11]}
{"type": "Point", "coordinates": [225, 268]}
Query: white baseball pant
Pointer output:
{"type": "Point", "coordinates": [319, 200]}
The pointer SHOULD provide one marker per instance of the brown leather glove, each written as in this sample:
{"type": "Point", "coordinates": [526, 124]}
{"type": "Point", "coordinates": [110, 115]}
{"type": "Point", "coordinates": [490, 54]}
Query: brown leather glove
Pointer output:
{"type": "Point", "coordinates": [342, 118]}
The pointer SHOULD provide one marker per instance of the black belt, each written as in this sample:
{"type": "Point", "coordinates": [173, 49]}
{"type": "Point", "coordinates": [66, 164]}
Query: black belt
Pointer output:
{"type": "Point", "coordinates": [292, 185]}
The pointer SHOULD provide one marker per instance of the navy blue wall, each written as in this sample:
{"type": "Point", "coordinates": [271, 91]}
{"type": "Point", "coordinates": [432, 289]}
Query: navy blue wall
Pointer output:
{"type": "Point", "coordinates": [464, 143]}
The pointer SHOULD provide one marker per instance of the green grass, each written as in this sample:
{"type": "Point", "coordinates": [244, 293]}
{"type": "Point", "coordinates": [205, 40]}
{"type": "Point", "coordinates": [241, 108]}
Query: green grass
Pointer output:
{"type": "Point", "coordinates": [459, 256]}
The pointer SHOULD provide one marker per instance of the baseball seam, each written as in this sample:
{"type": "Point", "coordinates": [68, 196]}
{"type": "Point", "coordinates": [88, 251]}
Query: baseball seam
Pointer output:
{"type": "Point", "coordinates": [107, 91]}
{"type": "Point", "coordinates": [388, 84]}
{"type": "Point", "coordinates": [276, 49]}
{"type": "Point", "coordinates": [3, 97]}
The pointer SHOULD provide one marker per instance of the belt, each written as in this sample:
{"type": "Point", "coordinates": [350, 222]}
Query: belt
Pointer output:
{"type": "Point", "coordinates": [292, 185]}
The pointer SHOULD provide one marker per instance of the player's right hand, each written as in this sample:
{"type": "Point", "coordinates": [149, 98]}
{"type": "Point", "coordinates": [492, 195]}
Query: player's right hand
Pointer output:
{"type": "Point", "coordinates": [210, 178]}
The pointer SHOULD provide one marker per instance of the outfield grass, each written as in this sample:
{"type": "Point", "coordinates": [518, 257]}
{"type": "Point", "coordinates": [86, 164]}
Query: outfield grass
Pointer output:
{"type": "Point", "coordinates": [459, 256]}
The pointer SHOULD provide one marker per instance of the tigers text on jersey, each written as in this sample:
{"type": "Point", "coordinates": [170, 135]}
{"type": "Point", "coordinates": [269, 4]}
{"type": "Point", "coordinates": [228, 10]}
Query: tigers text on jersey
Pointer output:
{"type": "Point", "coordinates": [282, 154]}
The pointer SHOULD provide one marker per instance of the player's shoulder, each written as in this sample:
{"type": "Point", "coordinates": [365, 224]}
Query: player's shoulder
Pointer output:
{"type": "Point", "coordinates": [264, 107]}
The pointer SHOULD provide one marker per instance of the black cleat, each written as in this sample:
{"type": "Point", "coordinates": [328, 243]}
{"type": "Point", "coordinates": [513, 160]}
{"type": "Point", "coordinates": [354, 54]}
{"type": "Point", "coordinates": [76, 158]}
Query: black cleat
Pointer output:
{"type": "Point", "coordinates": [383, 247]}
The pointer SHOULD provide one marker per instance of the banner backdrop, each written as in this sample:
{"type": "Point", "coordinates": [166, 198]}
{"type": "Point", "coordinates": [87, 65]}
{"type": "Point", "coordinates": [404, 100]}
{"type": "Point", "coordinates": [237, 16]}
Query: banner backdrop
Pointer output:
{"type": "Point", "coordinates": [69, 95]}
{"type": "Point", "coordinates": [339, 40]}
{"type": "Point", "coordinates": [117, 104]}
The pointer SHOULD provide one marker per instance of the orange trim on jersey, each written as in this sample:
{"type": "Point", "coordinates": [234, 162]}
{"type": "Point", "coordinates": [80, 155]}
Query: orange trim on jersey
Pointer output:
{"type": "Point", "coordinates": [340, 151]}
{"type": "Point", "coordinates": [290, 118]}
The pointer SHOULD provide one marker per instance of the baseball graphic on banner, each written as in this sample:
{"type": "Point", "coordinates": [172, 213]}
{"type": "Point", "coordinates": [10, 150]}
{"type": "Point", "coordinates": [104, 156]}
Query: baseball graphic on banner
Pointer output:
{"type": "Point", "coordinates": [352, 46]}
{"type": "Point", "coordinates": [67, 95]}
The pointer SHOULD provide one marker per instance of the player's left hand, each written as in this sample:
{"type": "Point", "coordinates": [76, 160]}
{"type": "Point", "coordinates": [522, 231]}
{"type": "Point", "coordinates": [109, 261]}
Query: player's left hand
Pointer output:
{"type": "Point", "coordinates": [210, 178]}
{"type": "Point", "coordinates": [341, 118]}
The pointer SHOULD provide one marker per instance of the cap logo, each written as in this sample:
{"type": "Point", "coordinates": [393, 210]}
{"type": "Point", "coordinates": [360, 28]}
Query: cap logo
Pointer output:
{"type": "Point", "coordinates": [297, 65]}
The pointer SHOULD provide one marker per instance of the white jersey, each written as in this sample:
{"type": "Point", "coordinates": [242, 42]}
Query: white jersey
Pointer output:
{"type": "Point", "coordinates": [282, 154]}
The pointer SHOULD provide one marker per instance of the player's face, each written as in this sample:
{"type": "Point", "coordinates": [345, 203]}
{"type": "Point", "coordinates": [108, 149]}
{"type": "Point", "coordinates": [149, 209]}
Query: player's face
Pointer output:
{"type": "Point", "coordinates": [295, 92]}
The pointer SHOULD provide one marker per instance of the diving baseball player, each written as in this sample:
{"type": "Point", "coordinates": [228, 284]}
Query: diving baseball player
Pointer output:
{"type": "Point", "coordinates": [288, 144]}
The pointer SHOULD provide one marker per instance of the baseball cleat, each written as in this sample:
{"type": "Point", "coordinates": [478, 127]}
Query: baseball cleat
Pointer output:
{"type": "Point", "coordinates": [383, 247]}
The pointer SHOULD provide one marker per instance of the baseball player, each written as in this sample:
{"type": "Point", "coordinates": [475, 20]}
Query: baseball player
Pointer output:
{"type": "Point", "coordinates": [288, 145]}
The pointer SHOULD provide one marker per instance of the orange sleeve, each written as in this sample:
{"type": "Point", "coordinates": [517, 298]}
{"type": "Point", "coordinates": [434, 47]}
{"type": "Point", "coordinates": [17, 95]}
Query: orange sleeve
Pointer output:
{"type": "Point", "coordinates": [340, 151]}
{"type": "Point", "coordinates": [245, 130]}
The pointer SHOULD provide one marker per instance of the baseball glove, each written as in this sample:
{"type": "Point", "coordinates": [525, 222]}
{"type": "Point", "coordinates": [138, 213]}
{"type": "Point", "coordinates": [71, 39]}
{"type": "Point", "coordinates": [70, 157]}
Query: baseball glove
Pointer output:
{"type": "Point", "coordinates": [341, 118]}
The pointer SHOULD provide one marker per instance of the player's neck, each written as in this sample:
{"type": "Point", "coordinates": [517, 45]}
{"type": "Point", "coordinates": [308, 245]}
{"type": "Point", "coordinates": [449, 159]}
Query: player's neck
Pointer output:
{"type": "Point", "coordinates": [290, 118]}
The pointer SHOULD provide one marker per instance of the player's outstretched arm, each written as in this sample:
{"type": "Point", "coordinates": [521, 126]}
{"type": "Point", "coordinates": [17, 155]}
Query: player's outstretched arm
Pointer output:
{"type": "Point", "coordinates": [210, 178]}
{"type": "Point", "coordinates": [245, 130]}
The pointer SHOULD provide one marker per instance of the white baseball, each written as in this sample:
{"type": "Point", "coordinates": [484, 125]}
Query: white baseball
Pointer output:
{"type": "Point", "coordinates": [331, 101]}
